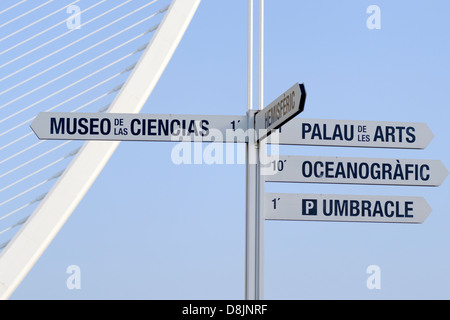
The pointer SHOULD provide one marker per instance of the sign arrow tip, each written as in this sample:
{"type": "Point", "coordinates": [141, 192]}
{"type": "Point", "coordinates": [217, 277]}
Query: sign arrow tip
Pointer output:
{"type": "Point", "coordinates": [445, 173]}
{"type": "Point", "coordinates": [33, 127]}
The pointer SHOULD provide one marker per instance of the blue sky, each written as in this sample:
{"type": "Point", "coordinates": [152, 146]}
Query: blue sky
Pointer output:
{"type": "Point", "coordinates": [150, 229]}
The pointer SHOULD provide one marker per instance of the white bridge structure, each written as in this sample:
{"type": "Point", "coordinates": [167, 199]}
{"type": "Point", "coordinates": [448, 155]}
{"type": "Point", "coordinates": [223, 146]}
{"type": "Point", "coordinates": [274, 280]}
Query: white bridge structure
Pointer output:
{"type": "Point", "coordinates": [36, 204]}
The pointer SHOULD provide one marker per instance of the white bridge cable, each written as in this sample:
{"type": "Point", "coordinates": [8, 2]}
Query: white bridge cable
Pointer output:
{"type": "Point", "coordinates": [59, 146]}
{"type": "Point", "coordinates": [75, 69]}
{"type": "Point", "coordinates": [83, 25]}
{"type": "Point", "coordinates": [46, 30]}
{"type": "Point", "coordinates": [26, 13]}
{"type": "Point", "coordinates": [72, 85]}
{"type": "Point", "coordinates": [128, 69]}
{"type": "Point", "coordinates": [87, 74]}
{"type": "Point", "coordinates": [34, 159]}
{"type": "Point", "coordinates": [78, 54]}
{"type": "Point", "coordinates": [23, 150]}
{"type": "Point", "coordinates": [37, 21]}
{"type": "Point", "coordinates": [3, 245]}
{"type": "Point", "coordinates": [38, 199]}
{"type": "Point", "coordinates": [13, 6]}
{"type": "Point", "coordinates": [45, 153]}
{"type": "Point", "coordinates": [32, 174]}
{"type": "Point", "coordinates": [20, 194]}
{"type": "Point", "coordinates": [71, 154]}
{"type": "Point", "coordinates": [19, 223]}
{"type": "Point", "coordinates": [57, 106]}
{"type": "Point", "coordinates": [32, 188]}
{"type": "Point", "coordinates": [13, 142]}
{"type": "Point", "coordinates": [68, 100]}
{"type": "Point", "coordinates": [62, 103]}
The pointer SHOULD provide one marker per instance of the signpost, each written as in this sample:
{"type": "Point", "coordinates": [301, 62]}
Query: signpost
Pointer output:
{"type": "Point", "coordinates": [253, 129]}
{"type": "Point", "coordinates": [401, 172]}
{"type": "Point", "coordinates": [346, 208]}
{"type": "Point", "coordinates": [280, 111]}
{"type": "Point", "coordinates": [257, 126]}
{"type": "Point", "coordinates": [352, 133]}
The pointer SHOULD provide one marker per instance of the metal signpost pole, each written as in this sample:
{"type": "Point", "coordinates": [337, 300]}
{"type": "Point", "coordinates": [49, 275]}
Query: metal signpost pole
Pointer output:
{"type": "Point", "coordinates": [254, 185]}
{"type": "Point", "coordinates": [260, 221]}
{"type": "Point", "coordinates": [250, 171]}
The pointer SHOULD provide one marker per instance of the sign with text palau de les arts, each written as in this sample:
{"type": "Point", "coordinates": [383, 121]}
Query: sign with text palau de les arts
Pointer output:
{"type": "Point", "coordinates": [356, 133]}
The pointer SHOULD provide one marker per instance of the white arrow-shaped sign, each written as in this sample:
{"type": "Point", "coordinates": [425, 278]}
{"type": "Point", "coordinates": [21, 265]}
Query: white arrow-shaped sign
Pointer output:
{"type": "Point", "coordinates": [280, 111]}
{"type": "Point", "coordinates": [346, 208]}
{"type": "Point", "coordinates": [139, 127]}
{"type": "Point", "coordinates": [351, 133]}
{"type": "Point", "coordinates": [406, 172]}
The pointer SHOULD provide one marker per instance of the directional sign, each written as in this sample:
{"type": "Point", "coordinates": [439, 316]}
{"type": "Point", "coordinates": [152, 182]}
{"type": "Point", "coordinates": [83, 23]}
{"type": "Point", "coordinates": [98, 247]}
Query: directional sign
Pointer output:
{"type": "Point", "coordinates": [356, 171]}
{"type": "Point", "coordinates": [346, 133]}
{"type": "Point", "coordinates": [140, 127]}
{"type": "Point", "coordinates": [280, 111]}
{"type": "Point", "coordinates": [346, 208]}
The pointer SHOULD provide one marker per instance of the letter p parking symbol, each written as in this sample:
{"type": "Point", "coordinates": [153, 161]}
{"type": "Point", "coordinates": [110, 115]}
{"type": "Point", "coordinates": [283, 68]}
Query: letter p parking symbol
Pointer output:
{"type": "Point", "coordinates": [309, 207]}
